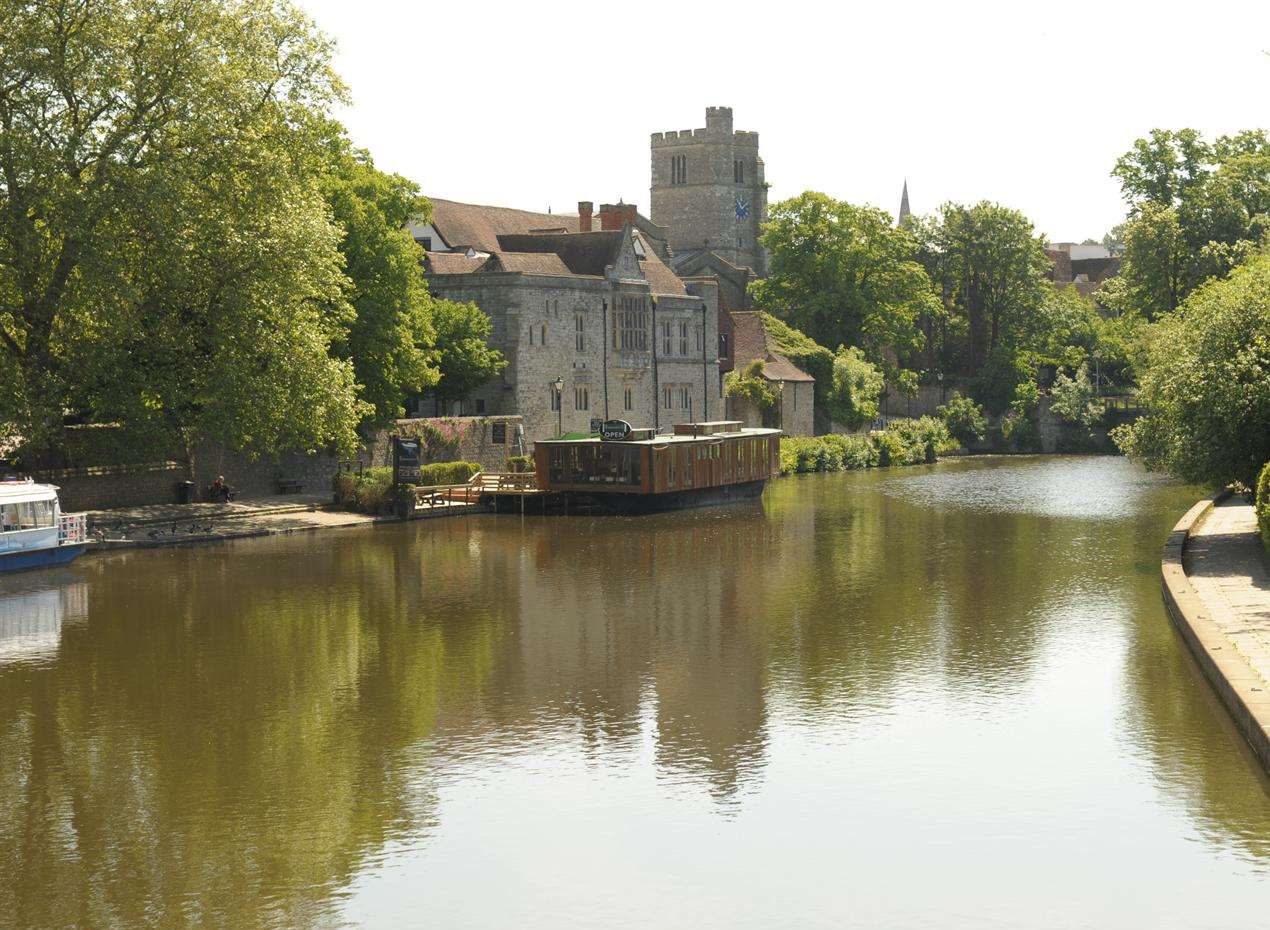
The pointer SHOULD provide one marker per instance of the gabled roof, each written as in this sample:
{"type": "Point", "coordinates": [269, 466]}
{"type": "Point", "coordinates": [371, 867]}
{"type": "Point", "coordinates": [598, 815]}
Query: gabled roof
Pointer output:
{"type": "Point", "coordinates": [750, 341]}
{"type": "Point", "coordinates": [469, 224]}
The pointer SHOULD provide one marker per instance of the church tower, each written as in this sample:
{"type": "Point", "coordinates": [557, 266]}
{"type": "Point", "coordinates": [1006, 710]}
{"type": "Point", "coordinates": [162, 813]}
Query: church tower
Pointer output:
{"type": "Point", "coordinates": [708, 187]}
{"type": "Point", "coordinates": [905, 212]}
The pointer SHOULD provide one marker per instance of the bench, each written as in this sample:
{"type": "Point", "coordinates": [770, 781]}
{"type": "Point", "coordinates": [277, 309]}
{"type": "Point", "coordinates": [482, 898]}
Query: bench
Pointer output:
{"type": "Point", "coordinates": [225, 497]}
{"type": "Point", "coordinates": [290, 485]}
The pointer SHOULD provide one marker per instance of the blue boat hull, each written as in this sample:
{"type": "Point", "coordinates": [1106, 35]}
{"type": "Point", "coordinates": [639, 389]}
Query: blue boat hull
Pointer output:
{"type": "Point", "coordinates": [38, 558]}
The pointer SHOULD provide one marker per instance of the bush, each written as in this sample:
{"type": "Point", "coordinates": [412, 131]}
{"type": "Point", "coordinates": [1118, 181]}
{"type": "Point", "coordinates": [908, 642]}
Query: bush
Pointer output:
{"type": "Point", "coordinates": [372, 492]}
{"type": "Point", "coordinates": [964, 419]}
{"type": "Point", "coordinates": [520, 463]}
{"type": "Point", "coordinates": [439, 473]}
{"type": "Point", "coordinates": [1021, 433]}
{"type": "Point", "coordinates": [1203, 384]}
{"type": "Point", "coordinates": [905, 442]}
{"type": "Point", "coordinates": [852, 397]}
{"type": "Point", "coordinates": [344, 485]}
{"type": "Point", "coordinates": [1263, 504]}
{"type": "Point", "coordinates": [802, 454]}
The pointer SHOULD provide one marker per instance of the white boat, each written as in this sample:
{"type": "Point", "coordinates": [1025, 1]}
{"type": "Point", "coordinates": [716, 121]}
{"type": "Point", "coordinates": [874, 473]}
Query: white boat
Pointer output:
{"type": "Point", "coordinates": [33, 530]}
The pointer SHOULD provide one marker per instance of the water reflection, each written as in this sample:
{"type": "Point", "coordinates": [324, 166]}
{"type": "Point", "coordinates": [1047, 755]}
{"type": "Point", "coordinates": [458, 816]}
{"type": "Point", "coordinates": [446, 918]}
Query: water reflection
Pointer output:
{"type": "Point", "coordinates": [381, 727]}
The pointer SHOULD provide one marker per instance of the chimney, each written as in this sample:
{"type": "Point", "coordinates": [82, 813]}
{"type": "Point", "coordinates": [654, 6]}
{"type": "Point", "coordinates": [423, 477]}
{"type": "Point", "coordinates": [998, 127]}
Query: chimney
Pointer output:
{"type": "Point", "coordinates": [584, 215]}
{"type": "Point", "coordinates": [614, 215]}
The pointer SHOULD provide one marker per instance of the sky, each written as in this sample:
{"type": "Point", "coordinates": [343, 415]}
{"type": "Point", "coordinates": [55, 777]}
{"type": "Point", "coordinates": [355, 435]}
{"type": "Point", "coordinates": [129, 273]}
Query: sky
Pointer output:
{"type": "Point", "coordinates": [540, 105]}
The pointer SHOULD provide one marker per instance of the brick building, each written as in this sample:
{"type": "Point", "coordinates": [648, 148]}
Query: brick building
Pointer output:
{"type": "Point", "coordinates": [597, 311]}
{"type": "Point", "coordinates": [795, 412]}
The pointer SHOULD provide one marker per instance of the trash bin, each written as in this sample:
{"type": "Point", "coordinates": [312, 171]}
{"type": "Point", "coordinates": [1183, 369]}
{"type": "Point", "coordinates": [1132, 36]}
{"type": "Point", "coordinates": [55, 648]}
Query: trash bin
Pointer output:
{"type": "Point", "coordinates": [185, 492]}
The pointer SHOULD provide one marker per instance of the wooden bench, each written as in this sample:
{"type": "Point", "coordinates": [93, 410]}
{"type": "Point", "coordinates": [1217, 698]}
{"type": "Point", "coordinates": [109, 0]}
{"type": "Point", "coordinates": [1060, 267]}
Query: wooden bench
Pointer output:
{"type": "Point", "coordinates": [290, 485]}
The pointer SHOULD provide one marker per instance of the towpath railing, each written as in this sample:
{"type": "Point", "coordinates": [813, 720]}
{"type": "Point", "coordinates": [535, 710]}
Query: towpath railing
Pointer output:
{"type": "Point", "coordinates": [478, 486]}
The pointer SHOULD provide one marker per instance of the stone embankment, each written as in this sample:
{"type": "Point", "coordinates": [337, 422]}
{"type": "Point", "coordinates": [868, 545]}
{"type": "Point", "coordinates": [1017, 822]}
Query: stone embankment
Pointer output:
{"type": "Point", "coordinates": [1217, 588]}
{"type": "Point", "coordinates": [192, 524]}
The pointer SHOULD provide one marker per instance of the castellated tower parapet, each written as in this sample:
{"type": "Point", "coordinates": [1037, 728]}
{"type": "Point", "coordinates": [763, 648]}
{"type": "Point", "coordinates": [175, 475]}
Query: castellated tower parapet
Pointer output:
{"type": "Point", "coordinates": [708, 188]}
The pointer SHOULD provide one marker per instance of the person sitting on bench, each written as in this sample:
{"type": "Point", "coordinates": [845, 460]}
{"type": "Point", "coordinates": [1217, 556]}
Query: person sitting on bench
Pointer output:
{"type": "Point", "coordinates": [220, 491]}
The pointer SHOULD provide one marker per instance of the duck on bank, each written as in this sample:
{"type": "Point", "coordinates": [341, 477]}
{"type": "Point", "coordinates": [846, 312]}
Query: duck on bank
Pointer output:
{"type": "Point", "coordinates": [33, 530]}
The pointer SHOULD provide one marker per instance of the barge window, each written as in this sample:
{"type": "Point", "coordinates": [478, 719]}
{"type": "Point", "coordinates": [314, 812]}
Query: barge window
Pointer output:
{"type": "Point", "coordinates": [594, 463]}
{"type": "Point", "coordinates": [11, 518]}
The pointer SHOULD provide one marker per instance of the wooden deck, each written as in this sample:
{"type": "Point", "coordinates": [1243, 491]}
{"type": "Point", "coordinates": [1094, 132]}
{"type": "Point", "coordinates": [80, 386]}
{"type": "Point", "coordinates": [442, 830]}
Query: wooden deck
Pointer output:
{"type": "Point", "coordinates": [482, 487]}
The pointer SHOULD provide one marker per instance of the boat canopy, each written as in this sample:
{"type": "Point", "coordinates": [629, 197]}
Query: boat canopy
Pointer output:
{"type": "Point", "coordinates": [19, 491]}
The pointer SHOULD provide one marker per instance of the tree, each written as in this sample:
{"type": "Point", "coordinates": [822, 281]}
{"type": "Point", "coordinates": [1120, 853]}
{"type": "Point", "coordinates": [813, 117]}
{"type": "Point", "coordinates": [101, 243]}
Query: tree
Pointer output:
{"type": "Point", "coordinates": [464, 356]}
{"type": "Point", "coordinates": [390, 338]}
{"type": "Point", "coordinates": [844, 275]}
{"type": "Point", "coordinates": [1204, 384]}
{"type": "Point", "coordinates": [1196, 210]}
{"type": "Point", "coordinates": [164, 251]}
{"type": "Point", "coordinates": [991, 267]}
{"type": "Point", "coordinates": [1074, 399]}
{"type": "Point", "coordinates": [857, 386]}
{"type": "Point", "coordinates": [964, 419]}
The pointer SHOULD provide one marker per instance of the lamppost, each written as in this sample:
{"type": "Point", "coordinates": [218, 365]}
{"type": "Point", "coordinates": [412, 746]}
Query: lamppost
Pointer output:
{"type": "Point", "coordinates": [558, 387]}
{"type": "Point", "coordinates": [939, 376]}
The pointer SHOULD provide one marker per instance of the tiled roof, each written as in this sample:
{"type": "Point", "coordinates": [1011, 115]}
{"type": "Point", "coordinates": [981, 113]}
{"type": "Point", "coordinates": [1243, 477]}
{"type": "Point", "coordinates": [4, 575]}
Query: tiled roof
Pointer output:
{"type": "Point", "coordinates": [527, 263]}
{"type": "Point", "coordinates": [468, 224]}
{"type": "Point", "coordinates": [453, 262]}
{"type": "Point", "coordinates": [582, 253]}
{"type": "Point", "coordinates": [749, 341]}
{"type": "Point", "coordinates": [661, 279]}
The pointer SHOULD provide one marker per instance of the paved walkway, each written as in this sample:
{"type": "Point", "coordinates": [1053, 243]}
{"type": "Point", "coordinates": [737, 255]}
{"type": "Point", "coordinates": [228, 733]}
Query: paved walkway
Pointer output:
{"type": "Point", "coordinates": [1227, 566]}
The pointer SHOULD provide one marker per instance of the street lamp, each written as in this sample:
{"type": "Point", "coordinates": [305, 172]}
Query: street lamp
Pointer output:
{"type": "Point", "coordinates": [558, 387]}
{"type": "Point", "coordinates": [939, 376]}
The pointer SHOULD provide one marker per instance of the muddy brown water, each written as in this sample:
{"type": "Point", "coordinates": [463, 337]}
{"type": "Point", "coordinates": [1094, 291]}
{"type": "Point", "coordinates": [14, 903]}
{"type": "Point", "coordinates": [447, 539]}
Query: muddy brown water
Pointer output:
{"type": "Point", "coordinates": [944, 697]}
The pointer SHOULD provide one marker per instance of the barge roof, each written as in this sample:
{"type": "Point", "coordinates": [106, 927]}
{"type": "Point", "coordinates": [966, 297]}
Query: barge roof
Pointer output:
{"type": "Point", "coordinates": [667, 438]}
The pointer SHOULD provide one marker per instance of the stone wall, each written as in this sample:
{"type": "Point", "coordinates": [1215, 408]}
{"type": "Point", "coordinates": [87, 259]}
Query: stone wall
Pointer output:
{"type": "Point", "coordinates": [488, 441]}
{"type": "Point", "coordinates": [102, 487]}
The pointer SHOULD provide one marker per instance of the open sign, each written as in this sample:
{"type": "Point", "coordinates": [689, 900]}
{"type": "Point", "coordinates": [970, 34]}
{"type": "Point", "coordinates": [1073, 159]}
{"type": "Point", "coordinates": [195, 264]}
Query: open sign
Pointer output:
{"type": "Point", "coordinates": [615, 430]}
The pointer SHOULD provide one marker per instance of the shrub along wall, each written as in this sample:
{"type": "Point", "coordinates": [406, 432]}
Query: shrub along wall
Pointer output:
{"type": "Point", "coordinates": [904, 442]}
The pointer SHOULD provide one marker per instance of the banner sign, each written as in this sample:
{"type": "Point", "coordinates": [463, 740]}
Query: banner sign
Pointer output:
{"type": "Point", "coordinates": [596, 425]}
{"type": "Point", "coordinates": [406, 455]}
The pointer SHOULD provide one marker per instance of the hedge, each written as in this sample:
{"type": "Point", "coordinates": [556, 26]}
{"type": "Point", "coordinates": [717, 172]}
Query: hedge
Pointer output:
{"type": "Point", "coordinates": [904, 442]}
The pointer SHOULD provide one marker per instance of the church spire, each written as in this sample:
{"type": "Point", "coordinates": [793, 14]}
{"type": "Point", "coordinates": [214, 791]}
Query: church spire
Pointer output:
{"type": "Point", "coordinates": [905, 212]}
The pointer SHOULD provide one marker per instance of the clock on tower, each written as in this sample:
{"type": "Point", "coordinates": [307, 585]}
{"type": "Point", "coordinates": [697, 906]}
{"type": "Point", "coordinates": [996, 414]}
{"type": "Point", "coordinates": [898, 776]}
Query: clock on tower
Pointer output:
{"type": "Point", "coordinates": [742, 208]}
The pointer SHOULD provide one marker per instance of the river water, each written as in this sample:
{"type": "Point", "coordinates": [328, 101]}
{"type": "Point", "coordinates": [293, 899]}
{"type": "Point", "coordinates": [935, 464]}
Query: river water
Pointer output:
{"type": "Point", "coordinates": [938, 697]}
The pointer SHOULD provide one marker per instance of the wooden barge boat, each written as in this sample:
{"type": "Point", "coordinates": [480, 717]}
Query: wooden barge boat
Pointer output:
{"type": "Point", "coordinates": [628, 470]}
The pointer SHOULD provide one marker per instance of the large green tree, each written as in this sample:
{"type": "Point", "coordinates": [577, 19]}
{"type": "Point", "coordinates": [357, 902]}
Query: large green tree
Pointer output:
{"type": "Point", "coordinates": [464, 356]}
{"type": "Point", "coordinates": [844, 275]}
{"type": "Point", "coordinates": [1196, 210]}
{"type": "Point", "coordinates": [1205, 383]}
{"type": "Point", "coordinates": [390, 338]}
{"type": "Point", "coordinates": [165, 253]}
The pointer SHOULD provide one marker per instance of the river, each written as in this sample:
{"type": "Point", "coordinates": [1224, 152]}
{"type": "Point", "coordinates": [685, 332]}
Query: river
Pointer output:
{"type": "Point", "coordinates": [943, 697]}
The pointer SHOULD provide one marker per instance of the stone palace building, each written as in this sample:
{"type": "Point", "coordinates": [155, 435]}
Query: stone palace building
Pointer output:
{"type": "Point", "coordinates": [612, 314]}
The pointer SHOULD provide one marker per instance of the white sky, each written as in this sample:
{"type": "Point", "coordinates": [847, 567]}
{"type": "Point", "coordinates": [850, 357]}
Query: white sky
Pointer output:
{"type": "Point", "coordinates": [544, 104]}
